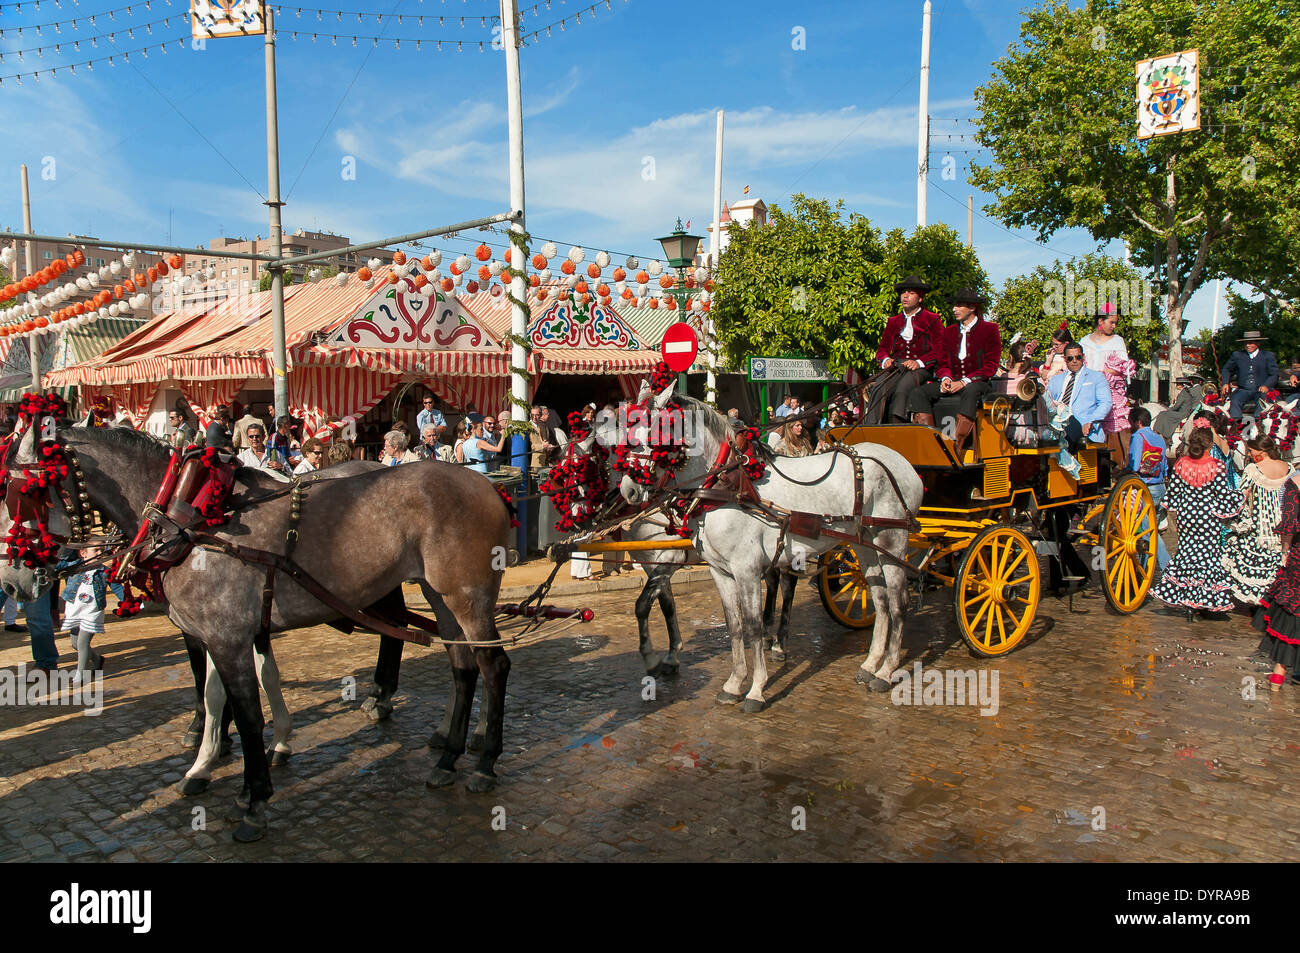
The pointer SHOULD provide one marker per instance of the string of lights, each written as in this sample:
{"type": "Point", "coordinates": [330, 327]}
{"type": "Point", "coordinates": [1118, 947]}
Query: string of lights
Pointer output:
{"type": "Point", "coordinates": [401, 18]}
{"type": "Point", "coordinates": [576, 16]}
{"type": "Point", "coordinates": [76, 22]}
{"type": "Point", "coordinates": [75, 43]}
{"type": "Point", "coordinates": [89, 65]}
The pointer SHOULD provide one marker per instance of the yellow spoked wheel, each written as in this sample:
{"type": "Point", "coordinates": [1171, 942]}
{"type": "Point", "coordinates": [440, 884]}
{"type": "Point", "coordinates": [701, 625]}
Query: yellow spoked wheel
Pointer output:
{"type": "Point", "coordinates": [1128, 537]}
{"type": "Point", "coordinates": [996, 591]}
{"type": "Point", "coordinates": [844, 590]}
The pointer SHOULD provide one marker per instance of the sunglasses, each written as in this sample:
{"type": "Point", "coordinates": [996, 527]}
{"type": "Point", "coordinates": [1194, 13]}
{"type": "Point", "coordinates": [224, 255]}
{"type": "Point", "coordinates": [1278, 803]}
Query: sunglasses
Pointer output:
{"type": "Point", "coordinates": [1074, 357]}
{"type": "Point", "coordinates": [315, 453]}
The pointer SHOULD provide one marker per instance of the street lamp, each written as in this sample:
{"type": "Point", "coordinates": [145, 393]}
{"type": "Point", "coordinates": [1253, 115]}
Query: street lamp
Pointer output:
{"type": "Point", "coordinates": [679, 250]}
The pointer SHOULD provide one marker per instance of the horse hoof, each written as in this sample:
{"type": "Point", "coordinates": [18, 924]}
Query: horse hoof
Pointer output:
{"type": "Point", "coordinates": [753, 705]}
{"type": "Point", "coordinates": [778, 653]}
{"type": "Point", "coordinates": [878, 685]}
{"type": "Point", "coordinates": [193, 739]}
{"type": "Point", "coordinates": [369, 703]}
{"type": "Point", "coordinates": [278, 759]}
{"type": "Point", "coordinates": [243, 800]}
{"type": "Point", "coordinates": [863, 677]}
{"type": "Point", "coordinates": [437, 741]}
{"type": "Point", "coordinates": [189, 787]}
{"type": "Point", "coordinates": [227, 746]}
{"type": "Point", "coordinates": [726, 698]}
{"type": "Point", "coordinates": [474, 743]}
{"type": "Point", "coordinates": [247, 833]}
{"type": "Point", "coordinates": [668, 668]}
{"type": "Point", "coordinates": [378, 712]}
{"type": "Point", "coordinates": [440, 778]}
{"type": "Point", "coordinates": [480, 783]}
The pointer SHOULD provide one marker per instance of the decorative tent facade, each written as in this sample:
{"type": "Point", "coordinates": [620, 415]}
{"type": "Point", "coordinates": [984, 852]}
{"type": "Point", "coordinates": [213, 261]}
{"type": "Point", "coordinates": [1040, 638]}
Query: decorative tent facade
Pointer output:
{"type": "Point", "coordinates": [349, 345]}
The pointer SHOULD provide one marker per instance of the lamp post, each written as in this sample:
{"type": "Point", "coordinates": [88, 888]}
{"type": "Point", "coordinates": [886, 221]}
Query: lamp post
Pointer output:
{"type": "Point", "coordinates": [679, 250]}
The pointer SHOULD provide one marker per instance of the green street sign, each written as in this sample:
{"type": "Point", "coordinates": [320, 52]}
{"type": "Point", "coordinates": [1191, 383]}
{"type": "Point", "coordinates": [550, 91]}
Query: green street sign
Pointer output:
{"type": "Point", "coordinates": [766, 370]}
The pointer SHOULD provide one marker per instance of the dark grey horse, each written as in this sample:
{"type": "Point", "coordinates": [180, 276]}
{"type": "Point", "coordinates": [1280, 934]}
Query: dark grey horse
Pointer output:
{"type": "Point", "coordinates": [360, 537]}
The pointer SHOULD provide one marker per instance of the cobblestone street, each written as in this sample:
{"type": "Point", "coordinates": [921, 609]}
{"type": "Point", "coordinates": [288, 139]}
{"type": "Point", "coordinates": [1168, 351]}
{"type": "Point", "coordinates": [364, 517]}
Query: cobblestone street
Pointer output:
{"type": "Point", "coordinates": [1142, 717]}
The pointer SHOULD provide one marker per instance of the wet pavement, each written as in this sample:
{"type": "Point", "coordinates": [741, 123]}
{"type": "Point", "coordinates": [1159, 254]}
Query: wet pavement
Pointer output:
{"type": "Point", "coordinates": [1115, 738]}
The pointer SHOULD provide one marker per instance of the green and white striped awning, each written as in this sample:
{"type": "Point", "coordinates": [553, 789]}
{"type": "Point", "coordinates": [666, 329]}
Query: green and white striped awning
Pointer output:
{"type": "Point", "coordinates": [69, 346]}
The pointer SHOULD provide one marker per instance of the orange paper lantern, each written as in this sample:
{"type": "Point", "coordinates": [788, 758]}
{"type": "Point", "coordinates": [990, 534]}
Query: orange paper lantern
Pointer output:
{"type": "Point", "coordinates": [654, 303]}
{"type": "Point", "coordinates": [483, 253]}
{"type": "Point", "coordinates": [177, 261]}
{"type": "Point", "coordinates": [593, 270]}
{"type": "Point", "coordinates": [364, 273]}
{"type": "Point", "coordinates": [539, 261]}
{"type": "Point", "coordinates": [152, 272]}
{"type": "Point", "coordinates": [586, 299]}
{"type": "Point", "coordinates": [541, 294]}
{"type": "Point", "coordinates": [162, 269]}
{"type": "Point", "coordinates": [506, 256]}
{"type": "Point", "coordinates": [128, 286]}
{"type": "Point", "coordinates": [426, 263]}
{"type": "Point", "coordinates": [665, 282]}
{"type": "Point", "coordinates": [602, 289]}
{"type": "Point", "coordinates": [471, 286]}
{"type": "Point", "coordinates": [580, 287]}
{"type": "Point", "coordinates": [484, 273]}
{"type": "Point", "coordinates": [454, 268]}
{"type": "Point", "coordinates": [605, 301]}
{"type": "Point", "coordinates": [117, 292]}
{"type": "Point", "coordinates": [420, 281]}
{"type": "Point", "coordinates": [619, 274]}
{"type": "Point", "coordinates": [78, 257]}
{"type": "Point", "coordinates": [534, 280]}
{"type": "Point", "coordinates": [392, 277]}
{"type": "Point", "coordinates": [568, 267]}
{"type": "Point", "coordinates": [447, 284]}
{"type": "Point", "coordinates": [42, 322]}
{"type": "Point", "coordinates": [642, 278]}
{"type": "Point", "coordinates": [399, 258]}
{"type": "Point", "coordinates": [627, 294]}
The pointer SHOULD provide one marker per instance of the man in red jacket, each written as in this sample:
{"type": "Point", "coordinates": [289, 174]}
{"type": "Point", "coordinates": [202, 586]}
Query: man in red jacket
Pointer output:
{"type": "Point", "coordinates": [972, 355]}
{"type": "Point", "coordinates": [909, 353]}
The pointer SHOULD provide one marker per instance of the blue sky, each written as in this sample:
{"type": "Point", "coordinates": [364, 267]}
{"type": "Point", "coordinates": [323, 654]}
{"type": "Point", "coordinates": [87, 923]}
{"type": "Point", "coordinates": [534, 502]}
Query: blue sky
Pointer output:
{"type": "Point", "coordinates": [173, 145]}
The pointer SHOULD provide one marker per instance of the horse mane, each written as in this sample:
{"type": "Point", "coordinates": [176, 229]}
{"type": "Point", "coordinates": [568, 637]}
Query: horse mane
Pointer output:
{"type": "Point", "coordinates": [124, 438]}
{"type": "Point", "coordinates": [714, 422]}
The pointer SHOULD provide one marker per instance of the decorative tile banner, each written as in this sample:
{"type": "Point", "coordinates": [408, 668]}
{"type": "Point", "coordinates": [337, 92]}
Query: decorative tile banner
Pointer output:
{"type": "Point", "coordinates": [218, 18]}
{"type": "Point", "coordinates": [564, 325]}
{"type": "Point", "coordinates": [403, 319]}
{"type": "Point", "coordinates": [1169, 94]}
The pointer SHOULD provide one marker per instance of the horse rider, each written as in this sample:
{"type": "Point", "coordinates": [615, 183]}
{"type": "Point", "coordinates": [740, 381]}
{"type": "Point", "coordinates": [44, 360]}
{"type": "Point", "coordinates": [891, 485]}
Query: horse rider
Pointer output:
{"type": "Point", "coordinates": [1256, 372]}
{"type": "Point", "coordinates": [971, 352]}
{"type": "Point", "coordinates": [1086, 393]}
{"type": "Point", "coordinates": [1190, 395]}
{"type": "Point", "coordinates": [910, 350]}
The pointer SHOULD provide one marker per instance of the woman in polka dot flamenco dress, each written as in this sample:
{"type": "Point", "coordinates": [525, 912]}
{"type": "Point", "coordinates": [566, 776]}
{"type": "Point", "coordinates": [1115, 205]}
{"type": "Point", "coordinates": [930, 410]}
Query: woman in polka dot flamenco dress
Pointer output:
{"type": "Point", "coordinates": [1199, 493]}
{"type": "Point", "coordinates": [1278, 615]}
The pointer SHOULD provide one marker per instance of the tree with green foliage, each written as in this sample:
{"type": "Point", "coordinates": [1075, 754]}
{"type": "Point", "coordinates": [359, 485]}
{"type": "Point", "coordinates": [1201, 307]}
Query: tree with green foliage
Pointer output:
{"type": "Point", "coordinates": [1277, 321]}
{"type": "Point", "coordinates": [1060, 117]}
{"type": "Point", "coordinates": [264, 282]}
{"type": "Point", "coordinates": [814, 284]}
{"type": "Point", "coordinates": [1035, 304]}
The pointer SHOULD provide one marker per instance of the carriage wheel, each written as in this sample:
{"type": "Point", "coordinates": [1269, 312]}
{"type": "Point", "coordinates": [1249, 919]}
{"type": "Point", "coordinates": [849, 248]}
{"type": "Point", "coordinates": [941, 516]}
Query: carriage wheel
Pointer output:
{"type": "Point", "coordinates": [1130, 549]}
{"type": "Point", "coordinates": [996, 591]}
{"type": "Point", "coordinates": [844, 590]}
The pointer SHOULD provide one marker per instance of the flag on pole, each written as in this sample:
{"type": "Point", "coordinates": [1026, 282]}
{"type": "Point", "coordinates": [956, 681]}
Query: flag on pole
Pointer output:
{"type": "Point", "coordinates": [747, 190]}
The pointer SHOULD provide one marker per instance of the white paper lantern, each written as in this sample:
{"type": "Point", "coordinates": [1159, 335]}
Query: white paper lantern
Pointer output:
{"type": "Point", "coordinates": [495, 268]}
{"type": "Point", "coordinates": [434, 277]}
{"type": "Point", "coordinates": [83, 283]}
{"type": "Point", "coordinates": [654, 268]}
{"type": "Point", "coordinates": [450, 295]}
{"type": "Point", "coordinates": [104, 273]}
{"type": "Point", "coordinates": [602, 259]}
{"type": "Point", "coordinates": [341, 279]}
{"type": "Point", "coordinates": [701, 274]}
{"type": "Point", "coordinates": [374, 264]}
{"type": "Point", "coordinates": [632, 263]}
{"type": "Point", "coordinates": [113, 310]}
{"type": "Point", "coordinates": [458, 280]}
{"type": "Point", "coordinates": [619, 286]}
{"type": "Point", "coordinates": [697, 305]}
{"type": "Point", "coordinates": [549, 250]}
{"type": "Point", "coordinates": [641, 289]}
{"type": "Point", "coordinates": [576, 254]}
{"type": "Point", "coordinates": [570, 280]}
{"type": "Point", "coordinates": [427, 289]}
{"type": "Point", "coordinates": [103, 312]}
{"type": "Point", "coordinates": [369, 282]}
{"type": "Point", "coordinates": [115, 267]}
{"type": "Point", "coordinates": [435, 258]}
{"type": "Point", "coordinates": [544, 275]}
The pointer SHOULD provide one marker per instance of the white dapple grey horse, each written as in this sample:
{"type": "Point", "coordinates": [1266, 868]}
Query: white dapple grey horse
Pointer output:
{"type": "Point", "coordinates": [741, 548]}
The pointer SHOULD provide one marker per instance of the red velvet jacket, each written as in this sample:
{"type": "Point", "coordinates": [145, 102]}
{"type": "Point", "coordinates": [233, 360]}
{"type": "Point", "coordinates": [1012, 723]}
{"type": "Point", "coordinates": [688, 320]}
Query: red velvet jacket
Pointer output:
{"type": "Point", "coordinates": [926, 345]}
{"type": "Point", "coordinates": [983, 352]}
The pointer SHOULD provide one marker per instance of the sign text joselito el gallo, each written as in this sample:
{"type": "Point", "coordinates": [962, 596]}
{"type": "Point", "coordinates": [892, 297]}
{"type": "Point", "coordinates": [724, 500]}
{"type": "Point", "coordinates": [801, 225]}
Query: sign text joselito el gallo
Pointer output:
{"type": "Point", "coordinates": [787, 369]}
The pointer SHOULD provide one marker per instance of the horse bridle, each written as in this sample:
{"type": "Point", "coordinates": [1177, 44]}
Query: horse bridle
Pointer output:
{"type": "Point", "coordinates": [31, 511]}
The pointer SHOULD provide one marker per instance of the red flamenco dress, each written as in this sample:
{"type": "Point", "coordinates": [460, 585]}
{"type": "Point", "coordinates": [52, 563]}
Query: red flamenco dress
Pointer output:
{"type": "Point", "coordinates": [1278, 615]}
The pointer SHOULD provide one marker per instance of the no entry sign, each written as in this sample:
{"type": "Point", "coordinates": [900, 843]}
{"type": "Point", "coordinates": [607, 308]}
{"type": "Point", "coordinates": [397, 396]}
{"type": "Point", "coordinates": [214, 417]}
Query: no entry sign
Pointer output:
{"type": "Point", "coordinates": [679, 346]}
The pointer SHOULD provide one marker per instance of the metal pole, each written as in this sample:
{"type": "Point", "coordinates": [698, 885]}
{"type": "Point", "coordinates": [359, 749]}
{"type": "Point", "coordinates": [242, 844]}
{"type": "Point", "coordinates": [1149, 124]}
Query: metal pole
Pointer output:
{"type": "Point", "coordinates": [715, 252]}
{"type": "Point", "coordinates": [520, 382]}
{"type": "Point", "coordinates": [970, 221]}
{"type": "Point", "coordinates": [923, 128]}
{"type": "Point", "coordinates": [1218, 287]}
{"type": "Point", "coordinates": [279, 382]}
{"type": "Point", "coordinates": [33, 340]}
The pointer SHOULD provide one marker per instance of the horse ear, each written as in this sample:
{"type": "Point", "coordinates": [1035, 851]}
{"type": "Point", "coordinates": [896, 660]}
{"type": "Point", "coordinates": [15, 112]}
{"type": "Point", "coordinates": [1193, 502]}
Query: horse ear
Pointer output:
{"type": "Point", "coordinates": [84, 421]}
{"type": "Point", "coordinates": [27, 447]}
{"type": "Point", "coordinates": [661, 399]}
{"type": "Point", "coordinates": [643, 394]}
{"type": "Point", "coordinates": [587, 442]}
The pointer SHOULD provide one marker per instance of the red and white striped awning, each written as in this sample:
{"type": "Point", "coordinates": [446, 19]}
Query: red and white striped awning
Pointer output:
{"type": "Point", "coordinates": [592, 361]}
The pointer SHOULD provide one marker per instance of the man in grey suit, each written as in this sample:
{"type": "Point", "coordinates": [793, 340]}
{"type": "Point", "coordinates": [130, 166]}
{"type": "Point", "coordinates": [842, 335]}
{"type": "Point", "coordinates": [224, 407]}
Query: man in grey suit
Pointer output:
{"type": "Point", "coordinates": [1256, 371]}
{"type": "Point", "coordinates": [1189, 398]}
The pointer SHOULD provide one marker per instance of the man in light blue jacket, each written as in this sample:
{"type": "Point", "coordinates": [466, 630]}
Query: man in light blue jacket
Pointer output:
{"type": "Point", "coordinates": [1086, 394]}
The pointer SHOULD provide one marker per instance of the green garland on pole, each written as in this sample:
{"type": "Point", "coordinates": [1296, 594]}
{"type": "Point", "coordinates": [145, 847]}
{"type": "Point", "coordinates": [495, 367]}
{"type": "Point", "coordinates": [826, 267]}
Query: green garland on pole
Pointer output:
{"type": "Point", "coordinates": [519, 239]}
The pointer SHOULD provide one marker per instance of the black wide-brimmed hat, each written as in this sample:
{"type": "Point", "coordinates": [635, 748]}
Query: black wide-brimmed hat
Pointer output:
{"type": "Point", "coordinates": [968, 296]}
{"type": "Point", "coordinates": [912, 283]}
{"type": "Point", "coordinates": [1252, 336]}
{"type": "Point", "coordinates": [1190, 379]}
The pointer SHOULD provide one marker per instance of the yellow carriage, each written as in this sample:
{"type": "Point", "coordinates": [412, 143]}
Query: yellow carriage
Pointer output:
{"type": "Point", "coordinates": [983, 519]}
